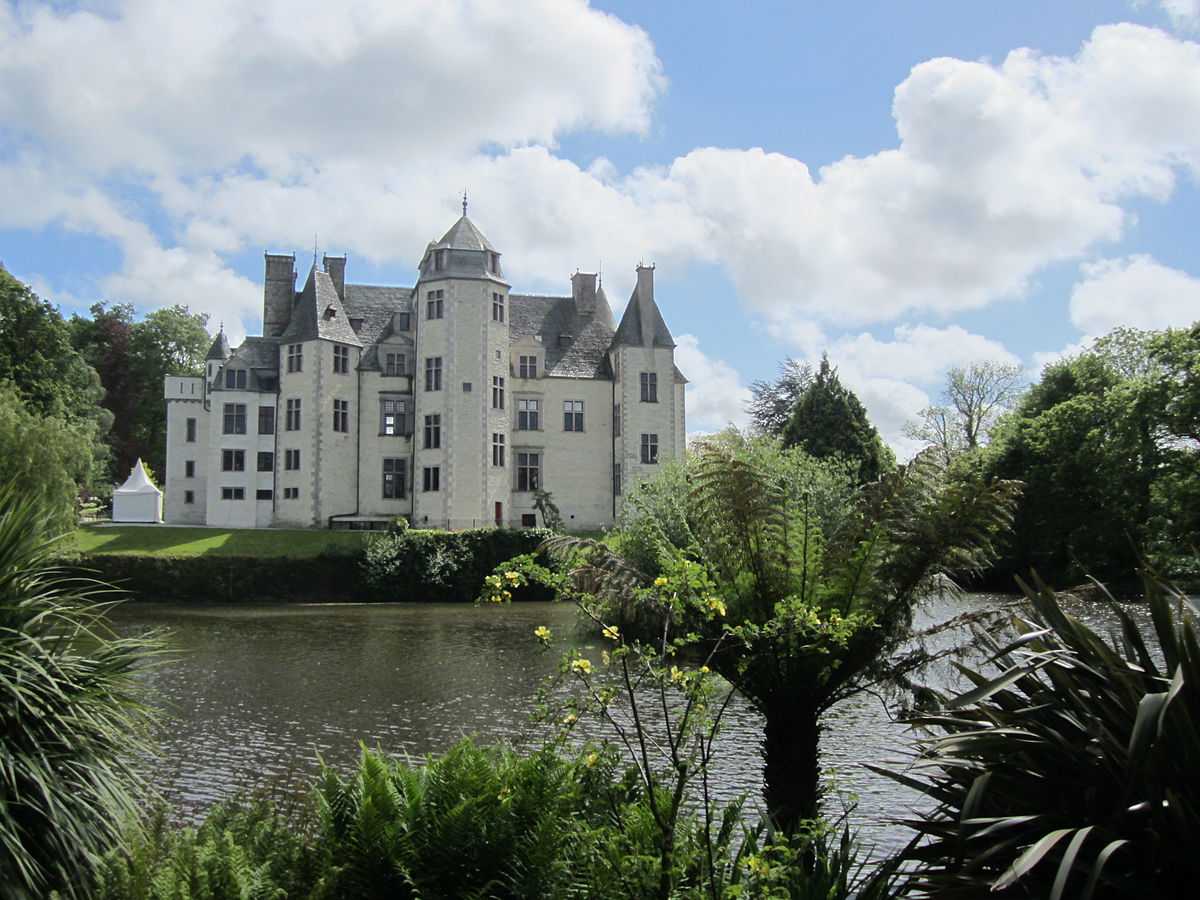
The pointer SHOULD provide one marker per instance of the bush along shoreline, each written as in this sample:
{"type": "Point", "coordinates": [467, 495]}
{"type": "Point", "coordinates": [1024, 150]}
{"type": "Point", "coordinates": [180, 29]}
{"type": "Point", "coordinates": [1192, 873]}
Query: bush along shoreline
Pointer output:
{"type": "Point", "coordinates": [399, 565]}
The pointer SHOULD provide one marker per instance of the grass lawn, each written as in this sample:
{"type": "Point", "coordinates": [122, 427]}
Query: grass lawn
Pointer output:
{"type": "Point", "coordinates": [151, 540]}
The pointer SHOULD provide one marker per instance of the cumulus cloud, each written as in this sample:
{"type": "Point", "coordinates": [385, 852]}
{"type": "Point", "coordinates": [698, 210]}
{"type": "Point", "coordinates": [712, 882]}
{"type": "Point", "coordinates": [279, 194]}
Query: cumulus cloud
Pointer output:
{"type": "Point", "coordinates": [1134, 291]}
{"type": "Point", "coordinates": [715, 396]}
{"type": "Point", "coordinates": [1184, 14]}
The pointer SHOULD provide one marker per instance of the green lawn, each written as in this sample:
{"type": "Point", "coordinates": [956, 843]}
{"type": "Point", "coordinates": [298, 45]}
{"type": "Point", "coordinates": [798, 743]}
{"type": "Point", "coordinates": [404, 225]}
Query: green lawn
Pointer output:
{"type": "Point", "coordinates": [151, 540]}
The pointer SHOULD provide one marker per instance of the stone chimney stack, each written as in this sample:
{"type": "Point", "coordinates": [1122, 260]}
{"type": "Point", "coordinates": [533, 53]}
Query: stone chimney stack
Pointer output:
{"type": "Point", "coordinates": [583, 291]}
{"type": "Point", "coordinates": [645, 294]}
{"type": "Point", "coordinates": [335, 267]}
{"type": "Point", "coordinates": [279, 293]}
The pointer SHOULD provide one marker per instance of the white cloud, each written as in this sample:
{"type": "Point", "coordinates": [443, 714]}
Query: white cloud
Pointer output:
{"type": "Point", "coordinates": [715, 395]}
{"type": "Point", "coordinates": [1184, 14]}
{"type": "Point", "coordinates": [1136, 292]}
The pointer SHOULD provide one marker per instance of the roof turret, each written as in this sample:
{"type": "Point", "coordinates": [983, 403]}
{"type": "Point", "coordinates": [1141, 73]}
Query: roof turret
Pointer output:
{"type": "Point", "coordinates": [220, 346]}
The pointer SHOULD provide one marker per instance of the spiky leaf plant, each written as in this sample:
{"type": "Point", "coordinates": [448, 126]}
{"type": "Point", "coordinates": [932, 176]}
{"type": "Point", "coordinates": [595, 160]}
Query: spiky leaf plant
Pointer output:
{"type": "Point", "coordinates": [70, 718]}
{"type": "Point", "coordinates": [1071, 772]}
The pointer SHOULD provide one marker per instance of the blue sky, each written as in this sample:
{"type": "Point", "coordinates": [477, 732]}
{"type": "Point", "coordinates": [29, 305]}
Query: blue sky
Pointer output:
{"type": "Point", "coordinates": [908, 186]}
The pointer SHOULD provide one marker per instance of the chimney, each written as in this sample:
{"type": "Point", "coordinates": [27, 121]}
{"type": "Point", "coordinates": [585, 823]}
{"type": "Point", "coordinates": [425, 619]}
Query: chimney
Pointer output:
{"type": "Point", "coordinates": [335, 267]}
{"type": "Point", "coordinates": [645, 295]}
{"type": "Point", "coordinates": [583, 292]}
{"type": "Point", "coordinates": [279, 293]}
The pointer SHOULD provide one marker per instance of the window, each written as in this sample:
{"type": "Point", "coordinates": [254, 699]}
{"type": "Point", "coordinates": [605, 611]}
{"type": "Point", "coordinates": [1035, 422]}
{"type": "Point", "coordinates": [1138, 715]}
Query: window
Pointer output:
{"type": "Point", "coordinates": [528, 471]}
{"type": "Point", "coordinates": [616, 478]}
{"type": "Point", "coordinates": [189, 468]}
{"type": "Point", "coordinates": [433, 432]}
{"type": "Point", "coordinates": [291, 460]}
{"type": "Point", "coordinates": [292, 422]}
{"type": "Point", "coordinates": [466, 387]}
{"type": "Point", "coordinates": [433, 373]}
{"type": "Point", "coordinates": [341, 360]}
{"type": "Point", "coordinates": [431, 478]}
{"type": "Point", "coordinates": [233, 460]}
{"type": "Point", "coordinates": [191, 431]}
{"type": "Point", "coordinates": [394, 364]}
{"type": "Point", "coordinates": [232, 493]}
{"type": "Point", "coordinates": [392, 413]}
{"type": "Point", "coordinates": [572, 415]}
{"type": "Point", "coordinates": [264, 494]}
{"type": "Point", "coordinates": [292, 493]}
{"type": "Point", "coordinates": [393, 479]}
{"type": "Point", "coordinates": [295, 357]}
{"type": "Point", "coordinates": [439, 260]}
{"type": "Point", "coordinates": [266, 420]}
{"type": "Point", "coordinates": [649, 382]}
{"type": "Point", "coordinates": [434, 304]}
{"type": "Point", "coordinates": [497, 307]}
{"type": "Point", "coordinates": [650, 448]}
{"type": "Point", "coordinates": [497, 392]}
{"type": "Point", "coordinates": [266, 461]}
{"type": "Point", "coordinates": [402, 321]}
{"type": "Point", "coordinates": [235, 379]}
{"type": "Point", "coordinates": [527, 415]}
{"type": "Point", "coordinates": [235, 418]}
{"type": "Point", "coordinates": [617, 420]}
{"type": "Point", "coordinates": [493, 262]}
{"type": "Point", "coordinates": [497, 449]}
{"type": "Point", "coordinates": [189, 496]}
{"type": "Point", "coordinates": [341, 415]}
{"type": "Point", "coordinates": [527, 367]}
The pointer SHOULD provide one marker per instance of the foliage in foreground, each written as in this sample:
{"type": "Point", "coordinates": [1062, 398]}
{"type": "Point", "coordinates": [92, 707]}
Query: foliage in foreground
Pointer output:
{"type": "Point", "coordinates": [69, 719]}
{"type": "Point", "coordinates": [1072, 772]}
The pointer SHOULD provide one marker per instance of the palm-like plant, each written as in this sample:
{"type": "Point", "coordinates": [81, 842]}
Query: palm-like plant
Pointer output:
{"type": "Point", "coordinates": [1072, 772]}
{"type": "Point", "coordinates": [810, 619]}
{"type": "Point", "coordinates": [69, 718]}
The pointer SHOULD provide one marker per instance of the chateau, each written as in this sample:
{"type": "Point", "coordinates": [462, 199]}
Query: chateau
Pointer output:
{"type": "Point", "coordinates": [450, 402]}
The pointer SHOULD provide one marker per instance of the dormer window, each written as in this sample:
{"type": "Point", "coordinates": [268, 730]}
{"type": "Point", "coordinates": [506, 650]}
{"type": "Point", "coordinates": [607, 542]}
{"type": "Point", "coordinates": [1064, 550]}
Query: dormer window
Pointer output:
{"type": "Point", "coordinates": [527, 366]}
{"type": "Point", "coordinates": [356, 323]}
{"type": "Point", "coordinates": [235, 379]}
{"type": "Point", "coordinates": [565, 340]}
{"type": "Point", "coordinates": [330, 312]}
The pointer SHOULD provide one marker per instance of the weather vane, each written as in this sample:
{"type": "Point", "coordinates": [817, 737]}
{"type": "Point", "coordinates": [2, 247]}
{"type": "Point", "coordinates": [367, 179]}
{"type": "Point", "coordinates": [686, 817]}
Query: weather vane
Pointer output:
{"type": "Point", "coordinates": [464, 202]}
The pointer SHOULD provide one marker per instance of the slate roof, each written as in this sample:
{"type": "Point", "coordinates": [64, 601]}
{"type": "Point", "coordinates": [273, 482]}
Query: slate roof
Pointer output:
{"type": "Point", "coordinates": [463, 235]}
{"type": "Point", "coordinates": [220, 347]}
{"type": "Point", "coordinates": [643, 319]}
{"type": "Point", "coordinates": [551, 317]}
{"type": "Point", "coordinates": [318, 313]}
{"type": "Point", "coordinates": [375, 305]}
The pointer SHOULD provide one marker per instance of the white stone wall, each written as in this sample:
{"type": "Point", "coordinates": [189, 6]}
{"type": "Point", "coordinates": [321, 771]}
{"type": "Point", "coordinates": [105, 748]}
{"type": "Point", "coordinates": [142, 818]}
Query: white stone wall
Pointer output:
{"type": "Point", "coordinates": [298, 512]}
{"type": "Point", "coordinates": [185, 397]}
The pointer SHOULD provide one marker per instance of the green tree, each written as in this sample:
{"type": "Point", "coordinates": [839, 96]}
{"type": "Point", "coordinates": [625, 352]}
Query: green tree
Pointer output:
{"type": "Point", "coordinates": [974, 399]}
{"type": "Point", "coordinates": [773, 401]}
{"type": "Point", "coordinates": [805, 619]}
{"type": "Point", "coordinates": [829, 420]}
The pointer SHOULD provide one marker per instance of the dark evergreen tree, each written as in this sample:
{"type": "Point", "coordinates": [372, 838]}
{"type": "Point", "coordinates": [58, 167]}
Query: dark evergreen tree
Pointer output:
{"type": "Point", "coordinates": [829, 420]}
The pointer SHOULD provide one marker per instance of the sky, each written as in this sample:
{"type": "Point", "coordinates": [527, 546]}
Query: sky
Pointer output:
{"type": "Point", "coordinates": [906, 186]}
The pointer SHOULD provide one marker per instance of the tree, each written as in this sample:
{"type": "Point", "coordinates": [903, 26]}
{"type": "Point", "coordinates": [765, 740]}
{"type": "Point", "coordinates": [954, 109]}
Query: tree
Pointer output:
{"type": "Point", "coordinates": [774, 401]}
{"type": "Point", "coordinates": [975, 397]}
{"type": "Point", "coordinates": [829, 420]}
{"type": "Point", "coordinates": [805, 619]}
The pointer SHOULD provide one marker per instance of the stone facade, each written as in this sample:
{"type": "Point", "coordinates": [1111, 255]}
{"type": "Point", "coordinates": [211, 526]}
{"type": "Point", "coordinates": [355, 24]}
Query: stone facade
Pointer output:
{"type": "Point", "coordinates": [450, 402]}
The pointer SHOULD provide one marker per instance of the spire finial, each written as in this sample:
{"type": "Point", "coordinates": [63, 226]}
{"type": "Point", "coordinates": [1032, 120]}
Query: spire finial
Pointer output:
{"type": "Point", "coordinates": [315, 251]}
{"type": "Point", "coordinates": [464, 202]}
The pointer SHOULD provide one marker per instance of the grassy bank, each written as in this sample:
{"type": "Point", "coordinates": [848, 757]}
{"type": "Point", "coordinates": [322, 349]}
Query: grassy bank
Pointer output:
{"type": "Point", "coordinates": [157, 540]}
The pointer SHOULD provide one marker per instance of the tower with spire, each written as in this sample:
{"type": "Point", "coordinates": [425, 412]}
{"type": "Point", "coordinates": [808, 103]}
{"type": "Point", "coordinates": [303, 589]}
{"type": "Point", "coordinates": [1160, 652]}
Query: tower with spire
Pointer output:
{"type": "Point", "coordinates": [451, 402]}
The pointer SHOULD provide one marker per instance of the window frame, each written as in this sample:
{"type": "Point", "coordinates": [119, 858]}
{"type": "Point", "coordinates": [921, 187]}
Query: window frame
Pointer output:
{"type": "Point", "coordinates": [572, 417]}
{"type": "Point", "coordinates": [529, 470]}
{"type": "Point", "coordinates": [341, 416]}
{"type": "Point", "coordinates": [648, 382]}
{"type": "Point", "coordinates": [433, 373]}
{"type": "Point", "coordinates": [233, 418]}
{"type": "Point", "coordinates": [395, 478]}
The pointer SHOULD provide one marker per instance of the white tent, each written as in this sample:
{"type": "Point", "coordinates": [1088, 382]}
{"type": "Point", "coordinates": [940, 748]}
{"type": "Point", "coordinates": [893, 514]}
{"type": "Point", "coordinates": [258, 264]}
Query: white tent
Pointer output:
{"type": "Point", "coordinates": [137, 500]}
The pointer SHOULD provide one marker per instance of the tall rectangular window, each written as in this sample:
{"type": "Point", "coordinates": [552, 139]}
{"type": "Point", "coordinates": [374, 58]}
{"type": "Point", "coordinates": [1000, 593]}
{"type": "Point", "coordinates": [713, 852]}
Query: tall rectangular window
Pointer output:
{"type": "Point", "coordinates": [649, 448]}
{"type": "Point", "coordinates": [433, 373]}
{"type": "Point", "coordinates": [616, 420]}
{"type": "Point", "coordinates": [341, 360]}
{"type": "Point", "coordinates": [189, 496]}
{"type": "Point", "coordinates": [527, 366]}
{"type": "Point", "coordinates": [189, 468]}
{"type": "Point", "coordinates": [292, 421]}
{"type": "Point", "coordinates": [431, 479]}
{"type": "Point", "coordinates": [291, 460]}
{"type": "Point", "coordinates": [616, 478]}
{"type": "Point", "coordinates": [439, 260]}
{"type": "Point", "coordinates": [528, 471]}
{"type": "Point", "coordinates": [235, 418]}
{"type": "Point", "coordinates": [493, 262]}
{"type": "Point", "coordinates": [266, 420]}
{"type": "Point", "coordinates": [403, 321]}
{"type": "Point", "coordinates": [295, 357]}
{"type": "Point", "coordinates": [433, 432]}
{"type": "Point", "coordinates": [392, 414]}
{"type": "Point", "coordinates": [266, 461]}
{"type": "Point", "coordinates": [235, 379]}
{"type": "Point", "coordinates": [435, 304]}
{"type": "Point", "coordinates": [649, 385]}
{"type": "Point", "coordinates": [497, 392]}
{"type": "Point", "coordinates": [572, 415]}
{"type": "Point", "coordinates": [341, 415]}
{"type": "Point", "coordinates": [497, 449]}
{"type": "Point", "coordinates": [190, 428]}
{"type": "Point", "coordinates": [394, 364]}
{"type": "Point", "coordinates": [527, 415]}
{"type": "Point", "coordinates": [233, 460]}
{"type": "Point", "coordinates": [497, 307]}
{"type": "Point", "coordinates": [393, 479]}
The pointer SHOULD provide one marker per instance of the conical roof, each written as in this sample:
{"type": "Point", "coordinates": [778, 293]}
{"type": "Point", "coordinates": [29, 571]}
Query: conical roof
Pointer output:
{"type": "Point", "coordinates": [463, 235]}
{"type": "Point", "coordinates": [138, 482]}
{"type": "Point", "coordinates": [220, 347]}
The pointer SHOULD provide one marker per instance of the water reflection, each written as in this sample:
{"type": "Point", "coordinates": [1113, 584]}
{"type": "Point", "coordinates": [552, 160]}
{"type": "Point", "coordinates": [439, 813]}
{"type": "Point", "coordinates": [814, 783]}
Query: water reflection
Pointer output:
{"type": "Point", "coordinates": [256, 693]}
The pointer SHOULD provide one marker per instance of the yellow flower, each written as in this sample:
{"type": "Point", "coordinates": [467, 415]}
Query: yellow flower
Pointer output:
{"type": "Point", "coordinates": [542, 633]}
{"type": "Point", "coordinates": [511, 576]}
{"type": "Point", "coordinates": [605, 657]}
{"type": "Point", "coordinates": [570, 719]}
{"type": "Point", "coordinates": [676, 675]}
{"type": "Point", "coordinates": [610, 632]}
{"type": "Point", "coordinates": [592, 759]}
{"type": "Point", "coordinates": [581, 665]}
{"type": "Point", "coordinates": [660, 581]}
{"type": "Point", "coordinates": [704, 670]}
{"type": "Point", "coordinates": [717, 606]}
